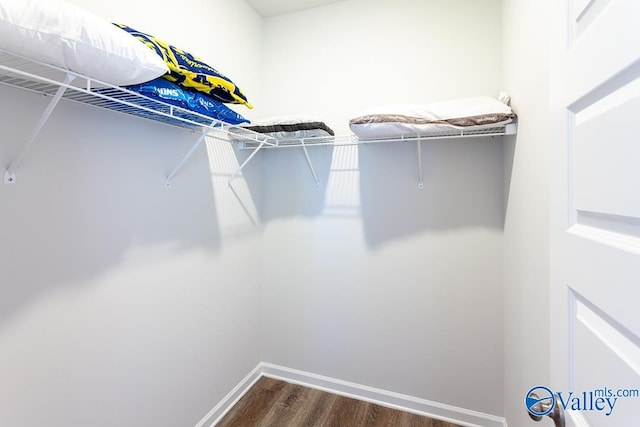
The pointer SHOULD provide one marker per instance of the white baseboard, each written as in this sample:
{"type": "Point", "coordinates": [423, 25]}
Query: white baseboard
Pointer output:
{"type": "Point", "coordinates": [453, 414]}
{"type": "Point", "coordinates": [220, 410]}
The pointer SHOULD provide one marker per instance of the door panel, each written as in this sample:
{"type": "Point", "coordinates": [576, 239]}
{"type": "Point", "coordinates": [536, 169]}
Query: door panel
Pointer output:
{"type": "Point", "coordinates": [595, 261]}
{"type": "Point", "coordinates": [607, 44]}
{"type": "Point", "coordinates": [612, 360]}
{"type": "Point", "coordinates": [606, 154]}
{"type": "Point", "coordinates": [585, 12]}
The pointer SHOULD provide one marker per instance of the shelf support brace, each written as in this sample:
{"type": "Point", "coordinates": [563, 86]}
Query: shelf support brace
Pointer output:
{"type": "Point", "coordinates": [420, 176]}
{"type": "Point", "coordinates": [253, 153]}
{"type": "Point", "coordinates": [187, 156]}
{"type": "Point", "coordinates": [313, 171]}
{"type": "Point", "coordinates": [10, 174]}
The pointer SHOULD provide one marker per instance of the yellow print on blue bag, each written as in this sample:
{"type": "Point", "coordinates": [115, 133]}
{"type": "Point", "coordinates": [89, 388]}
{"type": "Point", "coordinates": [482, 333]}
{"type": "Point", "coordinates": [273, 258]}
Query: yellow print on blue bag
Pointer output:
{"type": "Point", "coordinates": [191, 72]}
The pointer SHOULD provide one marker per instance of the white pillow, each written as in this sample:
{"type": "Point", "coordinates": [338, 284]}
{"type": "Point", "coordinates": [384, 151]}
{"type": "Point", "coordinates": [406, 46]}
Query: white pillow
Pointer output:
{"type": "Point", "coordinates": [65, 35]}
{"type": "Point", "coordinates": [444, 110]}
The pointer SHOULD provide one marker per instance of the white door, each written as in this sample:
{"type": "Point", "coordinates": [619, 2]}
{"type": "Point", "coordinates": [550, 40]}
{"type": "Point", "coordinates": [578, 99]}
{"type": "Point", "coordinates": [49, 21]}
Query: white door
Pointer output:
{"type": "Point", "coordinates": [595, 241]}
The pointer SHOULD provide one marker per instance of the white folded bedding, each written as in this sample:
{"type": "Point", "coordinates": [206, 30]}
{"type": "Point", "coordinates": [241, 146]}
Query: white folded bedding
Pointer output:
{"type": "Point", "coordinates": [423, 119]}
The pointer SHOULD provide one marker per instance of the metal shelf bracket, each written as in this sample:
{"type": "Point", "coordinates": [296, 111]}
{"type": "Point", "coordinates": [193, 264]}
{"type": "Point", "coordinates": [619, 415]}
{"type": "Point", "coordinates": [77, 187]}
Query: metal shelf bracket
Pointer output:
{"type": "Point", "coordinates": [187, 156]}
{"type": "Point", "coordinates": [10, 174]}
{"type": "Point", "coordinates": [313, 171]}
{"type": "Point", "coordinates": [248, 159]}
{"type": "Point", "coordinates": [420, 177]}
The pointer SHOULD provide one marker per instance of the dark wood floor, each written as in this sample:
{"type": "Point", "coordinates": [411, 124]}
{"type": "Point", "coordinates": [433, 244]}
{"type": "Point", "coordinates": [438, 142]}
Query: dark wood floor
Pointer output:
{"type": "Point", "coordinates": [274, 403]}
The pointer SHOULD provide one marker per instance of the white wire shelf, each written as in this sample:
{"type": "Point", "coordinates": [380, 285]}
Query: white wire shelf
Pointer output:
{"type": "Point", "coordinates": [348, 140]}
{"type": "Point", "coordinates": [58, 83]}
{"type": "Point", "coordinates": [46, 79]}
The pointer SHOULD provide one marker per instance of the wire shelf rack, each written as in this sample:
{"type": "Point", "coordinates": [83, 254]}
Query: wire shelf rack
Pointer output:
{"type": "Point", "coordinates": [58, 83]}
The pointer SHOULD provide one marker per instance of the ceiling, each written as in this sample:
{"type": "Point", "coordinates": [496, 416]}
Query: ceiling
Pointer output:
{"type": "Point", "coordinates": [267, 8]}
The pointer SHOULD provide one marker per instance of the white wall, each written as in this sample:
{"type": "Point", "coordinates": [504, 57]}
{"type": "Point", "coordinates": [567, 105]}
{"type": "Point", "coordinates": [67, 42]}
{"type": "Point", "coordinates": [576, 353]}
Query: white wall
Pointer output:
{"type": "Point", "coordinates": [124, 303]}
{"type": "Point", "coordinates": [127, 303]}
{"type": "Point", "coordinates": [337, 60]}
{"type": "Point", "coordinates": [369, 279]}
{"type": "Point", "coordinates": [526, 241]}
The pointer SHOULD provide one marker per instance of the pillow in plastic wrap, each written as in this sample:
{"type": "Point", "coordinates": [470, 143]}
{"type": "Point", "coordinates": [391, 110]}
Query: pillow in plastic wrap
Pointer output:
{"type": "Point", "coordinates": [65, 35]}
